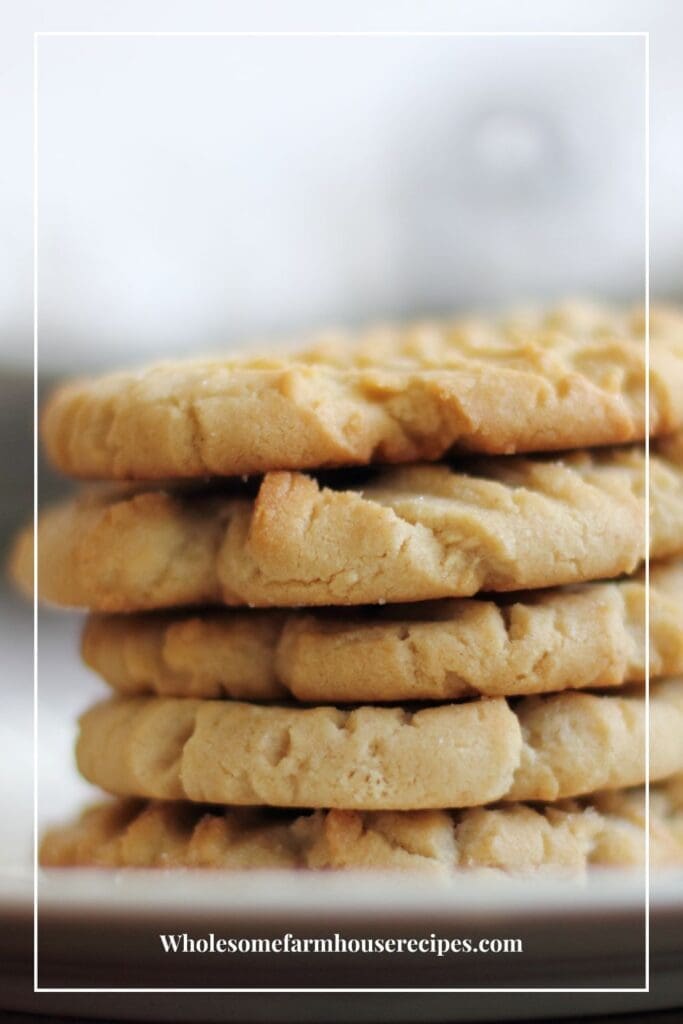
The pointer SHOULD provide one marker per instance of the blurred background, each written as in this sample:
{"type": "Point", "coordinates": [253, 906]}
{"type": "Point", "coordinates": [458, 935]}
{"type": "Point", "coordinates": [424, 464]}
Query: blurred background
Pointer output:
{"type": "Point", "coordinates": [197, 192]}
{"type": "Point", "coordinates": [194, 193]}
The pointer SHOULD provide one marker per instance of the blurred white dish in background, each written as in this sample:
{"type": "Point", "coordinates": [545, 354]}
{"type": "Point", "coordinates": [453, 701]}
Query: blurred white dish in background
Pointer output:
{"type": "Point", "coordinates": [197, 191]}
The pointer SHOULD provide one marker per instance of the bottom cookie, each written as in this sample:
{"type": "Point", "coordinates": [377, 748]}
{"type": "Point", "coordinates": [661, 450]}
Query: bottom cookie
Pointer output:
{"type": "Point", "coordinates": [607, 829]}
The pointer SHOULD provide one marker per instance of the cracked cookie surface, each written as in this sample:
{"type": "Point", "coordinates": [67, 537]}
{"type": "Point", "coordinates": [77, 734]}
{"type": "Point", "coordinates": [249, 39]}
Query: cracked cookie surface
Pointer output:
{"type": "Point", "coordinates": [572, 376]}
{"type": "Point", "coordinates": [568, 837]}
{"type": "Point", "coordinates": [407, 534]}
{"type": "Point", "coordinates": [591, 635]}
{"type": "Point", "coordinates": [371, 758]}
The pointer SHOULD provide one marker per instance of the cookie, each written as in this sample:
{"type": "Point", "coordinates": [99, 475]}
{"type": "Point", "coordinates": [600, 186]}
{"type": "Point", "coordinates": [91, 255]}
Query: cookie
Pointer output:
{"type": "Point", "coordinates": [373, 758]}
{"type": "Point", "coordinates": [607, 829]}
{"type": "Point", "coordinates": [572, 377]}
{"type": "Point", "coordinates": [577, 743]}
{"type": "Point", "coordinates": [408, 534]}
{"type": "Point", "coordinates": [232, 752]}
{"type": "Point", "coordinates": [591, 635]}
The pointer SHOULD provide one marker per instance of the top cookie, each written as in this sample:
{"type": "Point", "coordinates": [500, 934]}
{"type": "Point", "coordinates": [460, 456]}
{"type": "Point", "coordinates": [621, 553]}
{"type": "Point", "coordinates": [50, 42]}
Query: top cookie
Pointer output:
{"type": "Point", "coordinates": [572, 377]}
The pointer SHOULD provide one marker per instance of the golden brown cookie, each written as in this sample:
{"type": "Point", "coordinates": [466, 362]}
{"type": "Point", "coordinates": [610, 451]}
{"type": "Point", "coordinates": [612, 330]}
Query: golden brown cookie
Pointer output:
{"type": "Point", "coordinates": [607, 829]}
{"type": "Point", "coordinates": [573, 376]}
{"type": "Point", "coordinates": [591, 635]}
{"type": "Point", "coordinates": [230, 752]}
{"type": "Point", "coordinates": [371, 758]}
{"type": "Point", "coordinates": [407, 534]}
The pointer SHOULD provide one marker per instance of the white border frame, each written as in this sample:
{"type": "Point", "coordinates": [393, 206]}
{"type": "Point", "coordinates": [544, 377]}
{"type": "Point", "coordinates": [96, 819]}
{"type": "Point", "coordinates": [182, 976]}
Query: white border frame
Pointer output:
{"type": "Point", "coordinates": [645, 36]}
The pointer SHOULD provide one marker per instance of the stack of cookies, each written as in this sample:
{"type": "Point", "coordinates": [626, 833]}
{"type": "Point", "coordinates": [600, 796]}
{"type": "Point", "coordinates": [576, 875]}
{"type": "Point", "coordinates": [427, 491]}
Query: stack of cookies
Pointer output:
{"type": "Point", "coordinates": [381, 602]}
